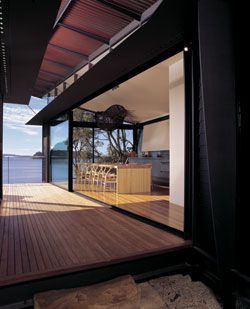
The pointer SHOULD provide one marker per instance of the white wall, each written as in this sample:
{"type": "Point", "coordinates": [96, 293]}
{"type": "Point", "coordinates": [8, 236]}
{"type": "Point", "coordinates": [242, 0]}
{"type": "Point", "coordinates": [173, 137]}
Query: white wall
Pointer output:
{"type": "Point", "coordinates": [177, 134]}
{"type": "Point", "coordinates": [156, 136]}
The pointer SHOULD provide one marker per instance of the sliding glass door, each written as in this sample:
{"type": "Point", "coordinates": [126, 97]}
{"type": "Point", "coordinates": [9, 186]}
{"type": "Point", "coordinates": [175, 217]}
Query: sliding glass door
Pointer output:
{"type": "Point", "coordinates": [59, 155]}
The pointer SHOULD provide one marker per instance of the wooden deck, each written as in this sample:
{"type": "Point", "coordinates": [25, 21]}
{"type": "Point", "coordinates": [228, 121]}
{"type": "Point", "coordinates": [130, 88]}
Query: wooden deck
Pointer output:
{"type": "Point", "coordinates": [46, 231]}
{"type": "Point", "coordinates": [154, 206]}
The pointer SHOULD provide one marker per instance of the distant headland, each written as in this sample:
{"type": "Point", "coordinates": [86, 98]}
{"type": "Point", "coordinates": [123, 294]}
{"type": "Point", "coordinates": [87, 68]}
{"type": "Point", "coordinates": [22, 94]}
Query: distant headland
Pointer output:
{"type": "Point", "coordinates": [36, 155]}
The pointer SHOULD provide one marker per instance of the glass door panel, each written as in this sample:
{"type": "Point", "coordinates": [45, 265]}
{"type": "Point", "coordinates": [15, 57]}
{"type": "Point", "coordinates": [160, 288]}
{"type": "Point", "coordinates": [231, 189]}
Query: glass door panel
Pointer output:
{"type": "Point", "coordinates": [59, 160]}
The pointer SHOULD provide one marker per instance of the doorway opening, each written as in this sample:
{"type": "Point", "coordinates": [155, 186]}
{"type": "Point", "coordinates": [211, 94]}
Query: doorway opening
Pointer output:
{"type": "Point", "coordinates": [139, 166]}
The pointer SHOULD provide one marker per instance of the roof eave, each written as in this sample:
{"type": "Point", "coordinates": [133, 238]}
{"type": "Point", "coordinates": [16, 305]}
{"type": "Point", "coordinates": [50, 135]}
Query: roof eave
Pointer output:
{"type": "Point", "coordinates": [28, 30]}
{"type": "Point", "coordinates": [164, 31]}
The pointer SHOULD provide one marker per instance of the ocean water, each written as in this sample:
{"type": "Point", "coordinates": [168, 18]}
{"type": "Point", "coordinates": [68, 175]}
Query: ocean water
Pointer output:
{"type": "Point", "coordinates": [22, 170]}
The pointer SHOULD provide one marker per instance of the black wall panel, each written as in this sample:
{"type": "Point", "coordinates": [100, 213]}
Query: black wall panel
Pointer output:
{"type": "Point", "coordinates": [1, 150]}
{"type": "Point", "coordinates": [205, 237]}
{"type": "Point", "coordinates": [216, 137]}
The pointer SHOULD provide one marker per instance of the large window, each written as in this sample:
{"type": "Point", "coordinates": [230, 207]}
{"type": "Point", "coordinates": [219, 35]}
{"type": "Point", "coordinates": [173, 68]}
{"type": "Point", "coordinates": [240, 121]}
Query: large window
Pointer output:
{"type": "Point", "coordinates": [92, 145]}
{"type": "Point", "coordinates": [112, 146]}
{"type": "Point", "coordinates": [59, 141]}
{"type": "Point", "coordinates": [82, 148]}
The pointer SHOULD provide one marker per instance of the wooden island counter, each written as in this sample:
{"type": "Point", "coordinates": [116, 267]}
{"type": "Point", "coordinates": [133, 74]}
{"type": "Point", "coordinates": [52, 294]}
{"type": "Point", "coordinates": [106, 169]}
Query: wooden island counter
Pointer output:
{"type": "Point", "coordinates": [133, 178]}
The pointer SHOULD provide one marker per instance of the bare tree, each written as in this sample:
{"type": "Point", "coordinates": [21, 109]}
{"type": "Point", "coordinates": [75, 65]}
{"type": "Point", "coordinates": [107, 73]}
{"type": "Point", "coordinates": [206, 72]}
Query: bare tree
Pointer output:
{"type": "Point", "coordinates": [119, 144]}
{"type": "Point", "coordinates": [109, 146]}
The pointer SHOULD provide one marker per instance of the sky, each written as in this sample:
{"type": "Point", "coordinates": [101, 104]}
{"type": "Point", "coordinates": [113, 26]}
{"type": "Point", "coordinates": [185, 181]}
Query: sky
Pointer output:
{"type": "Point", "coordinates": [19, 138]}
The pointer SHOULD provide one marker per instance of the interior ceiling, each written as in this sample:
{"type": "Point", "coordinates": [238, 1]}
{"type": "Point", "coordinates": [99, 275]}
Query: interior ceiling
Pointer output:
{"type": "Point", "coordinates": [81, 28]}
{"type": "Point", "coordinates": [27, 27]}
{"type": "Point", "coordinates": [145, 96]}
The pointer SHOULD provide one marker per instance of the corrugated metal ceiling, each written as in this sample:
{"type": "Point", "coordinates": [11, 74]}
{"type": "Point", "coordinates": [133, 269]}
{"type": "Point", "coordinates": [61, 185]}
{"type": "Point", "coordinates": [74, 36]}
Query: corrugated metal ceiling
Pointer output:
{"type": "Point", "coordinates": [138, 6]}
{"type": "Point", "coordinates": [82, 27]}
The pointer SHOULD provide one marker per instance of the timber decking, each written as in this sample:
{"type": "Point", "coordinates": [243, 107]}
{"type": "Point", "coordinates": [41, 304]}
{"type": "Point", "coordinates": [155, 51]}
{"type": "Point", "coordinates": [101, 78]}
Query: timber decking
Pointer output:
{"type": "Point", "coordinates": [46, 231]}
{"type": "Point", "coordinates": [154, 206]}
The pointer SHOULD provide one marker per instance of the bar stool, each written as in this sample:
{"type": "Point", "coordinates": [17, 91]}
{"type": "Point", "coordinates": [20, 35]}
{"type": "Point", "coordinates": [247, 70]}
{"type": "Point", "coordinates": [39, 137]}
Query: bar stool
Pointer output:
{"type": "Point", "coordinates": [110, 178]}
{"type": "Point", "coordinates": [86, 176]}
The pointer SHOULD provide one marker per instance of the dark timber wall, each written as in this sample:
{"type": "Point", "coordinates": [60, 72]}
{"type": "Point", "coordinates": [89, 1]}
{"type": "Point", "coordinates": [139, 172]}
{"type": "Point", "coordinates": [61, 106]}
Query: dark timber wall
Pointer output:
{"type": "Point", "coordinates": [242, 254]}
{"type": "Point", "coordinates": [216, 138]}
{"type": "Point", "coordinates": [1, 150]}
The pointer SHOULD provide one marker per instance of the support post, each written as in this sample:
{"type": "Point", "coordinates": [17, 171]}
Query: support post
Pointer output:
{"type": "Point", "coordinates": [1, 150]}
{"type": "Point", "coordinates": [135, 138]}
{"type": "Point", "coordinates": [70, 153]}
{"type": "Point", "coordinates": [46, 153]}
{"type": "Point", "coordinates": [93, 146]}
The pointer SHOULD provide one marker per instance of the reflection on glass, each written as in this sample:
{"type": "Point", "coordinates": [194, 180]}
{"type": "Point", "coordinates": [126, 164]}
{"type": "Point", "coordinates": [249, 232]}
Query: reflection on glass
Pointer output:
{"type": "Point", "coordinates": [59, 137]}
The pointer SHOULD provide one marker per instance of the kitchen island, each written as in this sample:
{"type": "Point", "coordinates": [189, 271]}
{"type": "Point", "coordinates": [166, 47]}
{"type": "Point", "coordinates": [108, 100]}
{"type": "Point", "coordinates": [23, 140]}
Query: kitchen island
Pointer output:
{"type": "Point", "coordinates": [133, 178]}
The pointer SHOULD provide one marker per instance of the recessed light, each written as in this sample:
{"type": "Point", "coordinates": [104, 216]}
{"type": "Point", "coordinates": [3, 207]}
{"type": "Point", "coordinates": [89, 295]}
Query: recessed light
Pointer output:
{"type": "Point", "coordinates": [185, 48]}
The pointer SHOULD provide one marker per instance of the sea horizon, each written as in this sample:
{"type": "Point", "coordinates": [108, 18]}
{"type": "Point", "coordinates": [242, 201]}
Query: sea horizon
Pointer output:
{"type": "Point", "coordinates": [17, 155]}
{"type": "Point", "coordinates": [21, 169]}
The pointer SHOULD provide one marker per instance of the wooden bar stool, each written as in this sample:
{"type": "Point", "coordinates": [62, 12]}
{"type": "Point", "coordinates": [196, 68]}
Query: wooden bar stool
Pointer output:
{"type": "Point", "coordinates": [110, 178]}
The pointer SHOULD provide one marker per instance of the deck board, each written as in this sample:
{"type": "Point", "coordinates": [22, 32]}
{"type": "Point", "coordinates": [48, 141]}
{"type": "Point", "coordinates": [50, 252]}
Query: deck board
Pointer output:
{"type": "Point", "coordinates": [154, 206]}
{"type": "Point", "coordinates": [46, 231]}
